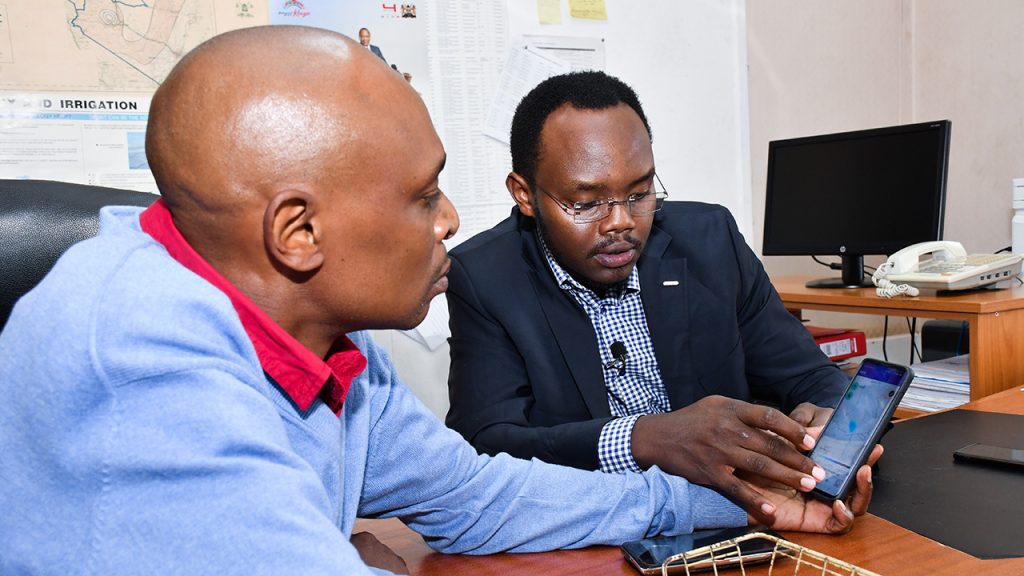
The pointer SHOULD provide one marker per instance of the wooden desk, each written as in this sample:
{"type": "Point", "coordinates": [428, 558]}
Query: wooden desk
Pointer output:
{"type": "Point", "coordinates": [874, 544]}
{"type": "Point", "coordinates": [995, 319]}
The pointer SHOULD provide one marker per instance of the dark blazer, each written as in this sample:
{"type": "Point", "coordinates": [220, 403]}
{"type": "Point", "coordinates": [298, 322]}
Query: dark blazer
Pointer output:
{"type": "Point", "coordinates": [375, 50]}
{"type": "Point", "coordinates": [526, 373]}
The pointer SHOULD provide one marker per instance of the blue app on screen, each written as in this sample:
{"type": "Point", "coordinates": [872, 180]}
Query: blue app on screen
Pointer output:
{"type": "Point", "coordinates": [854, 422]}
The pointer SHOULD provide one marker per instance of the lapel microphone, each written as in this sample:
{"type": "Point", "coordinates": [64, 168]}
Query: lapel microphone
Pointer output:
{"type": "Point", "coordinates": [619, 355]}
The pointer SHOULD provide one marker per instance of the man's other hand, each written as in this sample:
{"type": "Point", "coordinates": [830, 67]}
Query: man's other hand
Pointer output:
{"type": "Point", "coordinates": [374, 553]}
{"type": "Point", "coordinates": [797, 511]}
{"type": "Point", "coordinates": [715, 436]}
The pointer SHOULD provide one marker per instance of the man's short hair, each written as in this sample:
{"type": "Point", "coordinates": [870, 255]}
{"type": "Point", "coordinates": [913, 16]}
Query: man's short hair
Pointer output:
{"type": "Point", "coordinates": [590, 90]}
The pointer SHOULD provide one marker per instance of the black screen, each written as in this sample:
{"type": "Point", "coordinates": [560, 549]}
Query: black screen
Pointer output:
{"type": "Point", "coordinates": [865, 192]}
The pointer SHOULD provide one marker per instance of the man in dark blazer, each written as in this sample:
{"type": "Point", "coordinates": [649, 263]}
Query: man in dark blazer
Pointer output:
{"type": "Point", "coordinates": [364, 39]}
{"type": "Point", "coordinates": [601, 327]}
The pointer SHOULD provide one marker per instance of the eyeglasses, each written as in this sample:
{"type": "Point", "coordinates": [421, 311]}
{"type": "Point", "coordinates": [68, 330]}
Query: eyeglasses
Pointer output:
{"type": "Point", "coordinates": [641, 204]}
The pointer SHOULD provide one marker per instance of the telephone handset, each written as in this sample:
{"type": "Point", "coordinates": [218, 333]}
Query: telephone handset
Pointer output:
{"type": "Point", "coordinates": [909, 259]}
{"type": "Point", "coordinates": [948, 268]}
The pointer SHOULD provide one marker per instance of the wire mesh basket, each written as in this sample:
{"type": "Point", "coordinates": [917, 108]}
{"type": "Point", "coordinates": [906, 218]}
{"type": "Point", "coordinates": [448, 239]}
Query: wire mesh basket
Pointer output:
{"type": "Point", "coordinates": [726, 555]}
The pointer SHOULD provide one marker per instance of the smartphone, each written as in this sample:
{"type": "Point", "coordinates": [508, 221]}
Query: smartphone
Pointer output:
{"type": "Point", "coordinates": [857, 424]}
{"type": "Point", "coordinates": [648, 555]}
{"type": "Point", "coordinates": [991, 455]}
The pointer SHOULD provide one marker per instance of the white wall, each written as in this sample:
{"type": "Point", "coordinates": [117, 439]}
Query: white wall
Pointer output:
{"type": "Point", "coordinates": [968, 65]}
{"type": "Point", "coordinates": [831, 65]}
{"type": "Point", "coordinates": [687, 62]}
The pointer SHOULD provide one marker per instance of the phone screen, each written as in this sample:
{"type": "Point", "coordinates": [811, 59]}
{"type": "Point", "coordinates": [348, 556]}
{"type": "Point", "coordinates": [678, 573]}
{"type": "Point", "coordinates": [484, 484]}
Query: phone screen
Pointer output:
{"type": "Point", "coordinates": [855, 425]}
{"type": "Point", "coordinates": [649, 554]}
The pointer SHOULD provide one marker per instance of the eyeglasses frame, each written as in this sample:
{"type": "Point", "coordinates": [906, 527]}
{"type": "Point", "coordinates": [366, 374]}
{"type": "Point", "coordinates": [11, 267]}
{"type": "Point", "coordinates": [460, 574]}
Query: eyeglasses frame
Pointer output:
{"type": "Point", "coordinates": [572, 209]}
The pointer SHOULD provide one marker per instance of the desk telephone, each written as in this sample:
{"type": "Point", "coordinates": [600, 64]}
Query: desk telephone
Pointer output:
{"type": "Point", "coordinates": [948, 268]}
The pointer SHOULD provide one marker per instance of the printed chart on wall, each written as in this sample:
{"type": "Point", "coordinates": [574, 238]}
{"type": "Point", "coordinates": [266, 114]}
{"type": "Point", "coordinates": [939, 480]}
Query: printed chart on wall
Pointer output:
{"type": "Point", "coordinates": [86, 138]}
{"type": "Point", "coordinates": [76, 77]}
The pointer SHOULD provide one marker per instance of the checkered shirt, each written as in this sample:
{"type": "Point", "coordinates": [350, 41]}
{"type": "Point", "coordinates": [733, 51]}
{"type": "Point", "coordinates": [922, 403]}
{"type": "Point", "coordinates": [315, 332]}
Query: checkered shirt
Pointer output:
{"type": "Point", "coordinates": [635, 391]}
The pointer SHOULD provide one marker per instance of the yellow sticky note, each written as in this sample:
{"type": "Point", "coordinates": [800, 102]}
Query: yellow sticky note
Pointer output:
{"type": "Point", "coordinates": [591, 9]}
{"type": "Point", "coordinates": [549, 11]}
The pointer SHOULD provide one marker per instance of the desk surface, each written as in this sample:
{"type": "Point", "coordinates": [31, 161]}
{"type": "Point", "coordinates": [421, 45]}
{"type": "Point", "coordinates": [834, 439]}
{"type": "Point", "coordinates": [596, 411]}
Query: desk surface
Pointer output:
{"type": "Point", "coordinates": [873, 544]}
{"type": "Point", "coordinates": [794, 292]}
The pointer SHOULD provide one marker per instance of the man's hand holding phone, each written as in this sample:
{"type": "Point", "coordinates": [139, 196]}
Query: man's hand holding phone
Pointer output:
{"type": "Point", "coordinates": [793, 510]}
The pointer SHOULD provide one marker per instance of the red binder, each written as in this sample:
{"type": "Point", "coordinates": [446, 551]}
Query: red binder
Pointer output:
{"type": "Point", "coordinates": [839, 343]}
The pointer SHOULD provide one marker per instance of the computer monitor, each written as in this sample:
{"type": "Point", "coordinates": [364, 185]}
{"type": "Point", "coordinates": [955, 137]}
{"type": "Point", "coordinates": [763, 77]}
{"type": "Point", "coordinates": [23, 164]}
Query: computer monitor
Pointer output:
{"type": "Point", "coordinates": [856, 193]}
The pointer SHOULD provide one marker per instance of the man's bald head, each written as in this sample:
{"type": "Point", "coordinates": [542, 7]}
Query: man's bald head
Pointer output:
{"type": "Point", "coordinates": [259, 106]}
{"type": "Point", "coordinates": [297, 164]}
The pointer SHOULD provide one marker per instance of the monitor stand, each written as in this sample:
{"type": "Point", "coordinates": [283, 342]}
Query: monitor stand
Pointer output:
{"type": "Point", "coordinates": [853, 275]}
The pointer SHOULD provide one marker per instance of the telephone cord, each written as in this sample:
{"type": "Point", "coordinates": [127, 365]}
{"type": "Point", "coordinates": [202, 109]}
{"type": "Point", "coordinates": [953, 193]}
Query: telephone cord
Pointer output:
{"type": "Point", "coordinates": [886, 289]}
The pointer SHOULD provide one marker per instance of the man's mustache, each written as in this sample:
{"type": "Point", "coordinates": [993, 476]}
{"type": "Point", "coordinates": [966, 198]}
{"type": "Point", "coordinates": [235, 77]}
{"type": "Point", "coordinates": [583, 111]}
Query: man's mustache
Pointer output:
{"type": "Point", "coordinates": [633, 241]}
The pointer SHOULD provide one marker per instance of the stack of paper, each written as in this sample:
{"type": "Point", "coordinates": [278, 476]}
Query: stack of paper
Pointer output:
{"type": "Point", "coordinates": [939, 385]}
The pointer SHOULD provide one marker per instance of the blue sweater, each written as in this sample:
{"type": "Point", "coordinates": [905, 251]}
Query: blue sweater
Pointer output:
{"type": "Point", "coordinates": [139, 434]}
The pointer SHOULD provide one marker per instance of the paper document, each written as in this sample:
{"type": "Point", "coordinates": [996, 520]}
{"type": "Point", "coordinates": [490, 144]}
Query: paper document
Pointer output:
{"type": "Point", "coordinates": [549, 11]}
{"type": "Point", "coordinates": [939, 385]}
{"type": "Point", "coordinates": [531, 60]}
{"type": "Point", "coordinates": [579, 52]}
{"type": "Point", "coordinates": [524, 68]}
{"type": "Point", "coordinates": [589, 9]}
{"type": "Point", "coordinates": [84, 138]}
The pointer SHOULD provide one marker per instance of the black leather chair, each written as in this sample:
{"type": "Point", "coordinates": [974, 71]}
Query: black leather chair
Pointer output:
{"type": "Point", "coordinates": [39, 220]}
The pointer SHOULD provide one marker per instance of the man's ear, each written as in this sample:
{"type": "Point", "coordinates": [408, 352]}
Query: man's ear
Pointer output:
{"type": "Point", "coordinates": [292, 231]}
{"type": "Point", "coordinates": [520, 192]}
